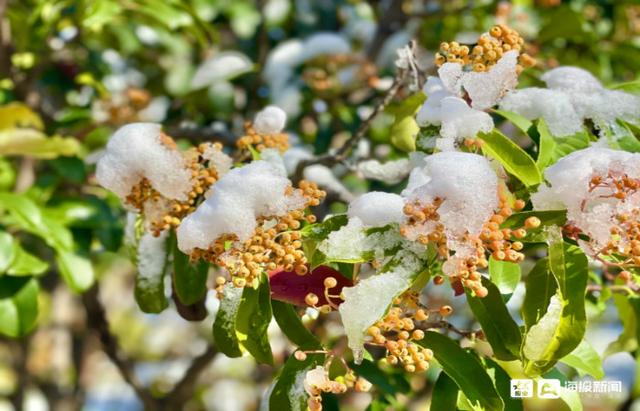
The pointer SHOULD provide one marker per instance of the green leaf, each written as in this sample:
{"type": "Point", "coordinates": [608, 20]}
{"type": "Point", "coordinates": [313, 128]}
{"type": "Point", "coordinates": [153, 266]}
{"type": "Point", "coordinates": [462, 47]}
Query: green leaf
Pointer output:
{"type": "Point", "coordinates": [25, 263]}
{"type": "Point", "coordinates": [7, 251]}
{"type": "Point", "coordinates": [288, 394]}
{"type": "Point", "coordinates": [76, 270]}
{"type": "Point", "coordinates": [252, 321]}
{"type": "Point", "coordinates": [189, 279]}
{"type": "Point", "coordinates": [389, 383]}
{"type": "Point", "coordinates": [538, 235]}
{"type": "Point", "coordinates": [505, 275]}
{"type": "Point", "coordinates": [18, 115]}
{"type": "Point", "coordinates": [502, 381]}
{"type": "Point", "coordinates": [629, 314]}
{"type": "Point", "coordinates": [632, 87]}
{"type": "Point", "coordinates": [404, 129]}
{"type": "Point", "coordinates": [516, 119]}
{"type": "Point", "coordinates": [513, 158]}
{"type": "Point", "coordinates": [292, 326]}
{"type": "Point", "coordinates": [552, 148]}
{"type": "Point", "coordinates": [320, 231]}
{"type": "Point", "coordinates": [585, 360]}
{"type": "Point", "coordinates": [18, 305]}
{"type": "Point", "coordinates": [568, 264]}
{"type": "Point", "coordinates": [34, 143]}
{"type": "Point", "coordinates": [151, 260]}
{"type": "Point", "coordinates": [445, 394]}
{"type": "Point", "coordinates": [501, 330]}
{"type": "Point", "coordinates": [224, 326]}
{"type": "Point", "coordinates": [541, 286]}
{"type": "Point", "coordinates": [465, 369]}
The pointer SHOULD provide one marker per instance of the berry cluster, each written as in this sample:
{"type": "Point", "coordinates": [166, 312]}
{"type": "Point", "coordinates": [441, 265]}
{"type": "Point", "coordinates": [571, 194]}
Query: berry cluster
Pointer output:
{"type": "Point", "coordinates": [252, 138]}
{"type": "Point", "coordinates": [328, 72]}
{"type": "Point", "coordinates": [501, 243]}
{"type": "Point", "coordinates": [397, 332]}
{"type": "Point", "coordinates": [276, 242]}
{"type": "Point", "coordinates": [489, 49]}
{"type": "Point", "coordinates": [162, 213]}
{"type": "Point", "coordinates": [317, 381]}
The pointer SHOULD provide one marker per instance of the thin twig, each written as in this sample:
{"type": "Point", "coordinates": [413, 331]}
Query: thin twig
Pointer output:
{"type": "Point", "coordinates": [183, 390]}
{"type": "Point", "coordinates": [343, 152]}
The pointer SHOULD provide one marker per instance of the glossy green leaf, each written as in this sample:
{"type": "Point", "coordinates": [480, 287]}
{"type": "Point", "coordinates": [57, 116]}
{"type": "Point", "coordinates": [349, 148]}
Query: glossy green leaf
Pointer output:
{"type": "Point", "coordinates": [465, 369]}
{"type": "Point", "coordinates": [76, 270]}
{"type": "Point", "coordinates": [292, 326]}
{"type": "Point", "coordinates": [552, 148]}
{"type": "Point", "coordinates": [445, 394]}
{"type": "Point", "coordinates": [189, 279]}
{"type": "Point", "coordinates": [7, 251]}
{"type": "Point", "coordinates": [541, 286]}
{"type": "Point", "coordinates": [224, 326]}
{"type": "Point", "coordinates": [25, 263]}
{"type": "Point", "coordinates": [288, 394]}
{"type": "Point", "coordinates": [390, 382]}
{"type": "Point", "coordinates": [18, 305]}
{"type": "Point", "coordinates": [516, 119]}
{"type": "Point", "coordinates": [502, 382]}
{"type": "Point", "coordinates": [501, 330]}
{"type": "Point", "coordinates": [151, 260]}
{"type": "Point", "coordinates": [505, 275]}
{"type": "Point", "coordinates": [252, 321]}
{"type": "Point", "coordinates": [513, 158]}
{"type": "Point", "coordinates": [585, 360]}
{"type": "Point", "coordinates": [629, 314]}
{"type": "Point", "coordinates": [568, 264]}
{"type": "Point", "coordinates": [29, 142]}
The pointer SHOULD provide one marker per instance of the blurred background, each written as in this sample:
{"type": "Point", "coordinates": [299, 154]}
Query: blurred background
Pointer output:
{"type": "Point", "coordinates": [73, 71]}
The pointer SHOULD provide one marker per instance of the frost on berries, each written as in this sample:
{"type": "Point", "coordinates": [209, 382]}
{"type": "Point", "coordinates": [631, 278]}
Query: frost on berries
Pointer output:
{"type": "Point", "coordinates": [573, 95]}
{"type": "Point", "coordinates": [138, 151]}
{"type": "Point", "coordinates": [541, 334]}
{"type": "Point", "coordinates": [599, 189]}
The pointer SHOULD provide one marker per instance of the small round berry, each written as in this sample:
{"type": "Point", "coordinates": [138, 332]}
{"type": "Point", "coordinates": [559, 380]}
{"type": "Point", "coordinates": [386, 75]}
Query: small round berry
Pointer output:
{"type": "Point", "coordinates": [311, 299]}
{"type": "Point", "coordinates": [330, 282]}
{"type": "Point", "coordinates": [300, 355]}
{"type": "Point", "coordinates": [445, 310]}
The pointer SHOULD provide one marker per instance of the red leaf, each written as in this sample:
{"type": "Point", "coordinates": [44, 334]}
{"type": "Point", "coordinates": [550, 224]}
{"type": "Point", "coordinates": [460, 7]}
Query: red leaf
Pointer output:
{"type": "Point", "coordinates": [289, 287]}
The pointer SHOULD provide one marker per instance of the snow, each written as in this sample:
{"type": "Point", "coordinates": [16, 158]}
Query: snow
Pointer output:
{"type": "Point", "coordinates": [345, 244]}
{"type": "Point", "coordinates": [220, 161]}
{"type": "Point", "coordinates": [541, 334]}
{"type": "Point", "coordinates": [377, 209]}
{"type": "Point", "coordinates": [136, 151]}
{"type": "Point", "coordinates": [467, 184]}
{"type": "Point", "coordinates": [222, 66]}
{"type": "Point", "coordinates": [486, 89]}
{"type": "Point", "coordinates": [236, 201]}
{"type": "Point", "coordinates": [271, 120]}
{"type": "Point", "coordinates": [391, 172]}
{"type": "Point", "coordinates": [592, 211]}
{"type": "Point", "coordinates": [554, 106]}
{"type": "Point", "coordinates": [573, 95]}
{"type": "Point", "coordinates": [459, 121]}
{"type": "Point", "coordinates": [152, 254]}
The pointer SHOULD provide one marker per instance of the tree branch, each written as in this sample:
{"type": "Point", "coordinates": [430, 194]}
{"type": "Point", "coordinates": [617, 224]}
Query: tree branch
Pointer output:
{"type": "Point", "coordinates": [97, 321]}
{"type": "Point", "coordinates": [183, 390]}
{"type": "Point", "coordinates": [342, 153]}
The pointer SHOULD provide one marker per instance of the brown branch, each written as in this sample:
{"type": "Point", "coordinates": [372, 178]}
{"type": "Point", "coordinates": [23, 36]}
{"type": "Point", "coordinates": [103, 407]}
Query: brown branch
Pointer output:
{"type": "Point", "coordinates": [343, 152]}
{"type": "Point", "coordinates": [97, 321]}
{"type": "Point", "coordinates": [183, 390]}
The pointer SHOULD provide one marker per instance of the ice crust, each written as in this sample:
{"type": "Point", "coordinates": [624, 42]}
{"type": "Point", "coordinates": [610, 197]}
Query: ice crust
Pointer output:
{"type": "Point", "coordinates": [236, 200]}
{"type": "Point", "coordinates": [541, 334]}
{"type": "Point", "coordinates": [134, 152]}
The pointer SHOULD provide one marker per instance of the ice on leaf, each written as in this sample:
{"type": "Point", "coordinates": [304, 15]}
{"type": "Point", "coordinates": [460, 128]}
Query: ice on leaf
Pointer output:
{"type": "Point", "coordinates": [541, 334]}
